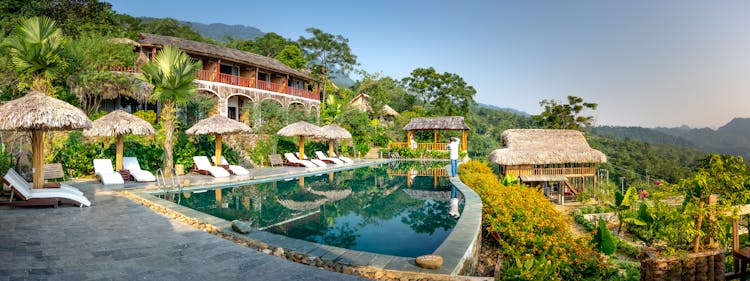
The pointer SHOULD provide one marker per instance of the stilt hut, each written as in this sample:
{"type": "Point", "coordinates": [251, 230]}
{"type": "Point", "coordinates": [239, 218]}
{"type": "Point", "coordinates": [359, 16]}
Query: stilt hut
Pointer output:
{"type": "Point", "coordinates": [435, 124]}
{"type": "Point", "coordinates": [561, 161]}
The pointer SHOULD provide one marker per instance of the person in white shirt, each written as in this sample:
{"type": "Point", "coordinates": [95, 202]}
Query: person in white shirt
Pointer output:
{"type": "Point", "coordinates": [453, 148]}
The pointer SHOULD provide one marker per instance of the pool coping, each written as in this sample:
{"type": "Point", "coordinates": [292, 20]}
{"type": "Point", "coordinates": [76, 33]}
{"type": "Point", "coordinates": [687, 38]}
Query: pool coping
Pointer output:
{"type": "Point", "coordinates": [458, 250]}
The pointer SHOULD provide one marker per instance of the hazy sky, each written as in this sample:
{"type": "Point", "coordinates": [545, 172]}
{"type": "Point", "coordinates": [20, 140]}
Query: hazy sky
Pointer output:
{"type": "Point", "coordinates": [646, 63]}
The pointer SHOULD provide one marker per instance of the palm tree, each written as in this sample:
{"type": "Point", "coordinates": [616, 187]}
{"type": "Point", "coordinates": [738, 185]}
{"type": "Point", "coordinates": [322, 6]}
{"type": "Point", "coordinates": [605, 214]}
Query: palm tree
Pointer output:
{"type": "Point", "coordinates": [35, 51]}
{"type": "Point", "coordinates": [172, 74]}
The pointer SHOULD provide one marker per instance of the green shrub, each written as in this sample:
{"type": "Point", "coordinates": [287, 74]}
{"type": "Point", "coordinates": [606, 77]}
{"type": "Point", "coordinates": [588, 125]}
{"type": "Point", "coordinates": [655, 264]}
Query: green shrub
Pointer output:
{"type": "Point", "coordinates": [603, 239]}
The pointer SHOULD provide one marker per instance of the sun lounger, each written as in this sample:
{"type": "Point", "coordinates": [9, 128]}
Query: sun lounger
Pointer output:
{"type": "Point", "coordinates": [105, 172]}
{"type": "Point", "coordinates": [41, 197]}
{"type": "Point", "coordinates": [235, 169]}
{"type": "Point", "coordinates": [275, 160]}
{"type": "Point", "coordinates": [203, 166]}
{"type": "Point", "coordinates": [317, 162]}
{"type": "Point", "coordinates": [345, 159]}
{"type": "Point", "coordinates": [67, 187]}
{"type": "Point", "coordinates": [132, 165]}
{"type": "Point", "coordinates": [292, 160]}
{"type": "Point", "coordinates": [325, 158]}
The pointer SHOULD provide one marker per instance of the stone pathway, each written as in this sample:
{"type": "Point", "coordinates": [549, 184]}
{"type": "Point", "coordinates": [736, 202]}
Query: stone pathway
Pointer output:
{"type": "Point", "coordinates": [117, 239]}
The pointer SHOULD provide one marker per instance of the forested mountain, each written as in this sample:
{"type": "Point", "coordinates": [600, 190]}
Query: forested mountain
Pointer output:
{"type": "Point", "coordinates": [220, 31]}
{"type": "Point", "coordinates": [506, 109]}
{"type": "Point", "coordinates": [641, 134]}
{"type": "Point", "coordinates": [732, 138]}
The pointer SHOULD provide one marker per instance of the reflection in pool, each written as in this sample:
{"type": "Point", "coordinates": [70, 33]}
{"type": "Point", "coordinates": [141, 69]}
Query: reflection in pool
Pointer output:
{"type": "Point", "coordinates": [400, 208]}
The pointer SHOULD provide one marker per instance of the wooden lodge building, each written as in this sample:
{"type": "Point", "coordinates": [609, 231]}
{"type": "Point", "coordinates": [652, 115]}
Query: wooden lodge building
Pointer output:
{"type": "Point", "coordinates": [561, 161]}
{"type": "Point", "coordinates": [237, 77]}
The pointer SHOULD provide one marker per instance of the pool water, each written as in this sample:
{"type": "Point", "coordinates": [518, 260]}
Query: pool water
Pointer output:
{"type": "Point", "coordinates": [399, 208]}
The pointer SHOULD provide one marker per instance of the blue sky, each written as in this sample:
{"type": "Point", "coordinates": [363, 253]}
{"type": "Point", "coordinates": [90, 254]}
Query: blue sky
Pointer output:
{"type": "Point", "coordinates": [646, 63]}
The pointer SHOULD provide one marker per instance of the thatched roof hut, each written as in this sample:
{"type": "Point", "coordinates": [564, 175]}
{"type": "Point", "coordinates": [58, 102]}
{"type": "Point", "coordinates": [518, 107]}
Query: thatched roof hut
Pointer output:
{"type": "Point", "coordinates": [218, 124]}
{"type": "Point", "coordinates": [437, 123]}
{"type": "Point", "coordinates": [224, 53]}
{"type": "Point", "coordinates": [362, 102]}
{"type": "Point", "coordinates": [119, 122]}
{"type": "Point", "coordinates": [541, 146]}
{"type": "Point", "coordinates": [301, 128]}
{"type": "Point", "coordinates": [333, 131]}
{"type": "Point", "coordinates": [333, 195]}
{"type": "Point", "coordinates": [301, 205]}
{"type": "Point", "coordinates": [37, 111]}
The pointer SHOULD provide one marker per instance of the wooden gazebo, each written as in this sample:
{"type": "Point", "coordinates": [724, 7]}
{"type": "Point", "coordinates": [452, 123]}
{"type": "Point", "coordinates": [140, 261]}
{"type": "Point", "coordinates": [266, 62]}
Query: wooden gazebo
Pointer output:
{"type": "Point", "coordinates": [435, 124]}
{"type": "Point", "coordinates": [540, 156]}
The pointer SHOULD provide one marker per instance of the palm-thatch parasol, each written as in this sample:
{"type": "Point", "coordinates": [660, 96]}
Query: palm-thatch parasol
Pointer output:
{"type": "Point", "coordinates": [118, 123]}
{"type": "Point", "coordinates": [36, 112]}
{"type": "Point", "coordinates": [218, 125]}
{"type": "Point", "coordinates": [332, 132]}
{"type": "Point", "coordinates": [301, 129]}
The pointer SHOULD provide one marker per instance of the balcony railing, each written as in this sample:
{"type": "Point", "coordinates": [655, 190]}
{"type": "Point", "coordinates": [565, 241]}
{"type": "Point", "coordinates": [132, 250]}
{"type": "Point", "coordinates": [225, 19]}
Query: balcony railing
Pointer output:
{"type": "Point", "coordinates": [208, 75]}
{"type": "Point", "coordinates": [578, 171]}
{"type": "Point", "coordinates": [422, 145]}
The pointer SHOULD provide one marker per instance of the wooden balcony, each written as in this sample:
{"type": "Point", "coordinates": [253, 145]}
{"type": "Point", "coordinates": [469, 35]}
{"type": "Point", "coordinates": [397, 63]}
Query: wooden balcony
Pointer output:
{"type": "Point", "coordinates": [208, 75]}
{"type": "Point", "coordinates": [440, 146]}
{"type": "Point", "coordinates": [570, 172]}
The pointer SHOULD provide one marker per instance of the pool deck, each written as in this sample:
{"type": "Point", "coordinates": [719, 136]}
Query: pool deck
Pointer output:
{"type": "Point", "coordinates": [118, 239]}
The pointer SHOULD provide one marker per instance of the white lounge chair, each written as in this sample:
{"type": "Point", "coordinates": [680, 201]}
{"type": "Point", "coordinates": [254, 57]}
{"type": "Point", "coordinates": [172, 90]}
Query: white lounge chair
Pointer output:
{"type": "Point", "coordinates": [236, 169]}
{"type": "Point", "coordinates": [317, 162]}
{"type": "Point", "coordinates": [41, 197]}
{"type": "Point", "coordinates": [345, 159]}
{"type": "Point", "coordinates": [323, 157]}
{"type": "Point", "coordinates": [131, 164]}
{"type": "Point", "coordinates": [64, 186]}
{"type": "Point", "coordinates": [203, 166]}
{"type": "Point", "coordinates": [292, 160]}
{"type": "Point", "coordinates": [105, 172]}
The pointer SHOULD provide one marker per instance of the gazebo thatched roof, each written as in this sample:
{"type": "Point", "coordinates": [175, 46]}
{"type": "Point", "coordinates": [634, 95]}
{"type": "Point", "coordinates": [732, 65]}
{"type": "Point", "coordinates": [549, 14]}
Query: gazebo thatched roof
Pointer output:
{"type": "Point", "coordinates": [333, 195]}
{"type": "Point", "coordinates": [224, 53]}
{"type": "Point", "coordinates": [119, 122]}
{"type": "Point", "coordinates": [218, 124]}
{"type": "Point", "coordinates": [540, 146]}
{"type": "Point", "coordinates": [333, 131]}
{"type": "Point", "coordinates": [301, 128]}
{"type": "Point", "coordinates": [37, 111]}
{"type": "Point", "coordinates": [437, 123]}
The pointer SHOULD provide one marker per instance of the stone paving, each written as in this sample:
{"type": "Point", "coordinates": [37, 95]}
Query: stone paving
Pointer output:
{"type": "Point", "coordinates": [117, 239]}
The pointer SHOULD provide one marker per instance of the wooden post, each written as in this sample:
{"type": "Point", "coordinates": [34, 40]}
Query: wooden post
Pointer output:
{"type": "Point", "coordinates": [218, 150]}
{"type": "Point", "coordinates": [434, 178]}
{"type": "Point", "coordinates": [301, 147]}
{"type": "Point", "coordinates": [218, 68]}
{"type": "Point", "coordinates": [408, 139]}
{"type": "Point", "coordinates": [118, 154]}
{"type": "Point", "coordinates": [330, 177]}
{"type": "Point", "coordinates": [711, 219]}
{"type": "Point", "coordinates": [330, 147]}
{"type": "Point", "coordinates": [736, 242]}
{"type": "Point", "coordinates": [217, 192]}
{"type": "Point", "coordinates": [302, 183]}
{"type": "Point", "coordinates": [434, 142]}
{"type": "Point", "coordinates": [463, 140]}
{"type": "Point", "coordinates": [37, 150]}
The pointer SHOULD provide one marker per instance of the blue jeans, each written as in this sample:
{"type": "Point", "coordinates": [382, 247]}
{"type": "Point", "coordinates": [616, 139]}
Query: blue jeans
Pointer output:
{"type": "Point", "coordinates": [454, 167]}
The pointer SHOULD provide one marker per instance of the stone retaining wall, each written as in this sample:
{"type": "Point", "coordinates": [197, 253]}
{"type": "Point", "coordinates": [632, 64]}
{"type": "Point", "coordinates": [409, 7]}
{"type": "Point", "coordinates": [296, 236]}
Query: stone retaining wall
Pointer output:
{"type": "Point", "coordinates": [702, 266]}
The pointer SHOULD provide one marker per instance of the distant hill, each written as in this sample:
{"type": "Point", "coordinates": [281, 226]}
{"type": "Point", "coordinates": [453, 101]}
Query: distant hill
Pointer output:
{"type": "Point", "coordinates": [506, 109]}
{"type": "Point", "coordinates": [641, 134]}
{"type": "Point", "coordinates": [732, 138]}
{"type": "Point", "coordinates": [219, 31]}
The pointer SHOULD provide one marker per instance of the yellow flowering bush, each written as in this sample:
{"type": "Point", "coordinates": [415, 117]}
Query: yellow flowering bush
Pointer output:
{"type": "Point", "coordinates": [526, 225]}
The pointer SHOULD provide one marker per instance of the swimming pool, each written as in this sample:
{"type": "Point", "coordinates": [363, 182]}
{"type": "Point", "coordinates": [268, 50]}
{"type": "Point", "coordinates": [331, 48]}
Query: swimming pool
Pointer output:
{"type": "Point", "coordinates": [398, 208]}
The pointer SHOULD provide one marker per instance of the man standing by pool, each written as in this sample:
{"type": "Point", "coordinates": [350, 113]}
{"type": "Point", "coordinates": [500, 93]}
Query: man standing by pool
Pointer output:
{"type": "Point", "coordinates": [453, 147]}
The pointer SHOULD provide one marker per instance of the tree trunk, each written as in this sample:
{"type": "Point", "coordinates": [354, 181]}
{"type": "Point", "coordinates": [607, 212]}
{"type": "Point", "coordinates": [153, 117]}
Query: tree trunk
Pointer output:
{"type": "Point", "coordinates": [698, 225]}
{"type": "Point", "coordinates": [168, 117]}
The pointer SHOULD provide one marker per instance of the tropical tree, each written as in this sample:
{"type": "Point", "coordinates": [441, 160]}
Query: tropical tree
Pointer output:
{"type": "Point", "coordinates": [326, 51]}
{"type": "Point", "coordinates": [269, 45]}
{"type": "Point", "coordinates": [565, 116]}
{"type": "Point", "coordinates": [446, 94]}
{"type": "Point", "coordinates": [292, 56]}
{"type": "Point", "coordinates": [172, 75]}
{"type": "Point", "coordinates": [35, 52]}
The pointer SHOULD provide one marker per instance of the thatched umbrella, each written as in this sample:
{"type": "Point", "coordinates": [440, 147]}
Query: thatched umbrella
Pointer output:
{"type": "Point", "coordinates": [301, 129]}
{"type": "Point", "coordinates": [118, 123]}
{"type": "Point", "coordinates": [36, 112]}
{"type": "Point", "coordinates": [218, 125]}
{"type": "Point", "coordinates": [332, 132]}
